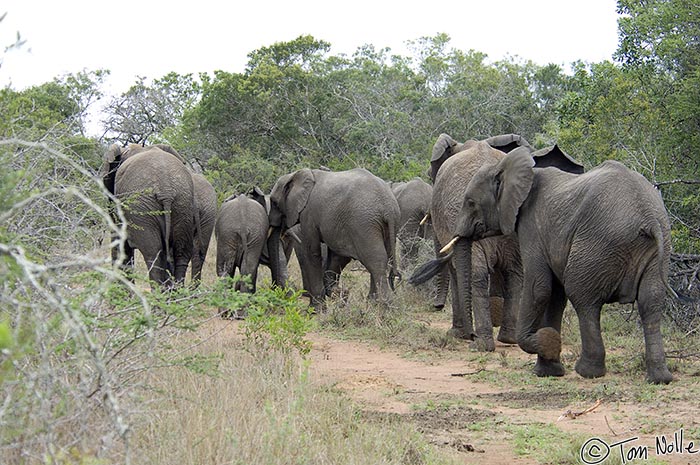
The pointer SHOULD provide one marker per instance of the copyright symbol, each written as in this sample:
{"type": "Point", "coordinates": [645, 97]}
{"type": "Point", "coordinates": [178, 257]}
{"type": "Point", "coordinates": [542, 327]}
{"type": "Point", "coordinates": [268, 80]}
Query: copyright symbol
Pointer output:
{"type": "Point", "coordinates": [594, 451]}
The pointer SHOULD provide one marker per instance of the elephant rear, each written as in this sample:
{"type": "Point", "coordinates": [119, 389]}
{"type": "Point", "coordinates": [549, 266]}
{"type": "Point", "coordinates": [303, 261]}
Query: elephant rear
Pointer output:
{"type": "Point", "coordinates": [159, 195]}
{"type": "Point", "coordinates": [241, 232]}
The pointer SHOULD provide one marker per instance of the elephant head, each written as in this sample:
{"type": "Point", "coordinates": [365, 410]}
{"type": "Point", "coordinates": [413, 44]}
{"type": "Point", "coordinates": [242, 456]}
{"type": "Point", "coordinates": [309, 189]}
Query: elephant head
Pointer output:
{"type": "Point", "coordinates": [496, 192]}
{"type": "Point", "coordinates": [289, 198]}
{"type": "Point", "coordinates": [494, 196]}
{"type": "Point", "coordinates": [446, 146]}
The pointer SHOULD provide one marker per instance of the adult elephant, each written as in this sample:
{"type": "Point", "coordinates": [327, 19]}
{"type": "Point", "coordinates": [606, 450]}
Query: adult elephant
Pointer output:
{"type": "Point", "coordinates": [206, 210]}
{"type": "Point", "coordinates": [444, 148]}
{"type": "Point", "coordinates": [595, 238]}
{"type": "Point", "coordinates": [241, 234]}
{"type": "Point", "coordinates": [158, 195]}
{"type": "Point", "coordinates": [414, 199]}
{"type": "Point", "coordinates": [475, 267]}
{"type": "Point", "coordinates": [353, 212]}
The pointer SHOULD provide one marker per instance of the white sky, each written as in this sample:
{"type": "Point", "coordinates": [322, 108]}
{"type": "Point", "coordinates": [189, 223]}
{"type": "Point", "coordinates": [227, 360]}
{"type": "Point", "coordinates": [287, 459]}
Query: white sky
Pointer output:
{"type": "Point", "coordinates": [153, 37]}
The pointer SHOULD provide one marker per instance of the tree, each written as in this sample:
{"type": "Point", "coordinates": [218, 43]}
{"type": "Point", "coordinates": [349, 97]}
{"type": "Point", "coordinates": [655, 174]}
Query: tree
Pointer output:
{"type": "Point", "coordinates": [144, 113]}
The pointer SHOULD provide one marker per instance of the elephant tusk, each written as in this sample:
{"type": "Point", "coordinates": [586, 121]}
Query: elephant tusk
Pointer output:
{"type": "Point", "coordinates": [425, 219]}
{"type": "Point", "coordinates": [269, 231]}
{"type": "Point", "coordinates": [449, 245]}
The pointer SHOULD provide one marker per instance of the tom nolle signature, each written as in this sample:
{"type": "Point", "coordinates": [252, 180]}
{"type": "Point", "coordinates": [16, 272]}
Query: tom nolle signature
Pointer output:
{"type": "Point", "coordinates": [596, 450]}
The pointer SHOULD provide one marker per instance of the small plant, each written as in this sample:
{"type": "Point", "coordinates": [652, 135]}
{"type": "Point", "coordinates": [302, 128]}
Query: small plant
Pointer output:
{"type": "Point", "coordinates": [277, 320]}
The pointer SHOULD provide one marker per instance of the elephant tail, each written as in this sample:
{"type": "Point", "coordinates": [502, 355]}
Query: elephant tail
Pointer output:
{"type": "Point", "coordinates": [429, 270]}
{"type": "Point", "coordinates": [167, 215]}
{"type": "Point", "coordinates": [390, 247]}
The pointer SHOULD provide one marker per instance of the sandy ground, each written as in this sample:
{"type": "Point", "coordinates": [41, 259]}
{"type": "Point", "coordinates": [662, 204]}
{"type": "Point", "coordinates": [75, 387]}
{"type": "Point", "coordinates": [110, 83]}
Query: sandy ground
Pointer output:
{"type": "Point", "coordinates": [384, 382]}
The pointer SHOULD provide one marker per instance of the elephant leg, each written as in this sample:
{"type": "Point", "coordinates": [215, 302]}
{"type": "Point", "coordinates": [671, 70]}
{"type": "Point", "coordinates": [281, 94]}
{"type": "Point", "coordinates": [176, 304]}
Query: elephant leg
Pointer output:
{"type": "Point", "coordinates": [650, 301]}
{"type": "Point", "coordinates": [591, 363]}
{"type": "Point", "coordinates": [182, 262]}
{"type": "Point", "coordinates": [496, 296]}
{"type": "Point", "coordinates": [333, 268]}
{"type": "Point", "coordinates": [551, 320]}
{"type": "Point", "coordinates": [533, 336]}
{"type": "Point", "coordinates": [483, 325]}
{"type": "Point", "coordinates": [157, 266]}
{"type": "Point", "coordinates": [372, 253]}
{"type": "Point", "coordinates": [311, 264]}
{"type": "Point", "coordinates": [249, 264]}
{"type": "Point", "coordinates": [442, 283]}
{"type": "Point", "coordinates": [511, 302]}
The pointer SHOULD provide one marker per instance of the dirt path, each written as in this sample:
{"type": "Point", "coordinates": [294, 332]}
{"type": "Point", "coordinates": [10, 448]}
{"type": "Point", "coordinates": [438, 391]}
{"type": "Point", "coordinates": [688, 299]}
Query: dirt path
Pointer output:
{"type": "Point", "coordinates": [476, 419]}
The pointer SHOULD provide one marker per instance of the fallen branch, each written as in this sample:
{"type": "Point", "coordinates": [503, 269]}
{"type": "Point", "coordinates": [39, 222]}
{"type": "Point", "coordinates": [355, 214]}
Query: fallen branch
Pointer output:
{"type": "Point", "coordinates": [574, 415]}
{"type": "Point", "coordinates": [469, 374]}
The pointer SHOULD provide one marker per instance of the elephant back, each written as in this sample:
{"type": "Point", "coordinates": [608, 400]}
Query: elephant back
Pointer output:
{"type": "Point", "coordinates": [451, 184]}
{"type": "Point", "coordinates": [152, 180]}
{"type": "Point", "coordinates": [242, 217]}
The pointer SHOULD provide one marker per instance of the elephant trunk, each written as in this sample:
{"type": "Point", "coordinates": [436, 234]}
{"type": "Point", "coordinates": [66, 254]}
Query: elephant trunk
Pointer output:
{"type": "Point", "coordinates": [462, 321]}
{"type": "Point", "coordinates": [278, 261]}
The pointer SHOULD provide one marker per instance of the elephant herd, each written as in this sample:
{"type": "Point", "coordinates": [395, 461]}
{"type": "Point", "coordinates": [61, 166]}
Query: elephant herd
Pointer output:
{"type": "Point", "coordinates": [517, 233]}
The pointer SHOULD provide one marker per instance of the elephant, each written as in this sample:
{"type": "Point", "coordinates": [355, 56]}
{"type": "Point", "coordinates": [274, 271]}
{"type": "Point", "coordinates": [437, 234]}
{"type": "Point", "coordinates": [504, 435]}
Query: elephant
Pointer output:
{"type": "Point", "coordinates": [414, 199]}
{"type": "Point", "coordinates": [206, 211]}
{"type": "Point", "coordinates": [241, 234]}
{"type": "Point", "coordinates": [485, 268]}
{"type": "Point", "coordinates": [353, 212]}
{"type": "Point", "coordinates": [592, 238]}
{"type": "Point", "coordinates": [444, 148]}
{"type": "Point", "coordinates": [158, 194]}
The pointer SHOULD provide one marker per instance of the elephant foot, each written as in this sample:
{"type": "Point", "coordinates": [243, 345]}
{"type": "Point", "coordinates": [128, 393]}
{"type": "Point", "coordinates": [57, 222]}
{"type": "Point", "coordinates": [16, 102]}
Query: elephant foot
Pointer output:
{"type": "Point", "coordinates": [548, 343]}
{"type": "Point", "coordinates": [590, 369]}
{"type": "Point", "coordinates": [659, 375]}
{"type": "Point", "coordinates": [460, 333]}
{"type": "Point", "coordinates": [438, 306]}
{"type": "Point", "coordinates": [496, 307]}
{"type": "Point", "coordinates": [483, 344]}
{"type": "Point", "coordinates": [507, 336]}
{"type": "Point", "coordinates": [545, 367]}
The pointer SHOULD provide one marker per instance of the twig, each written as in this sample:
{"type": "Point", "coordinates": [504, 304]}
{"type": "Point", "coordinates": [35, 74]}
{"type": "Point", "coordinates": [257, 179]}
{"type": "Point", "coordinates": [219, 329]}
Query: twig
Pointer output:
{"type": "Point", "coordinates": [677, 181]}
{"type": "Point", "coordinates": [469, 374]}
{"type": "Point", "coordinates": [574, 415]}
{"type": "Point", "coordinates": [609, 427]}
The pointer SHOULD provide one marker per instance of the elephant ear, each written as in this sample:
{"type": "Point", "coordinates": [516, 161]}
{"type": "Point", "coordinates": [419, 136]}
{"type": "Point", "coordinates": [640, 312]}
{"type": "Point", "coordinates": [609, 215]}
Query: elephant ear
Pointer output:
{"type": "Point", "coordinates": [296, 194]}
{"type": "Point", "coordinates": [443, 149]}
{"type": "Point", "coordinates": [514, 176]}
{"type": "Point", "coordinates": [556, 157]}
{"type": "Point", "coordinates": [508, 142]}
{"type": "Point", "coordinates": [259, 196]}
{"type": "Point", "coordinates": [110, 163]}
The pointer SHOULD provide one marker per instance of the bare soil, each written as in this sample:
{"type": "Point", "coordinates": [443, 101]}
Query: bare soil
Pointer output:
{"type": "Point", "coordinates": [443, 396]}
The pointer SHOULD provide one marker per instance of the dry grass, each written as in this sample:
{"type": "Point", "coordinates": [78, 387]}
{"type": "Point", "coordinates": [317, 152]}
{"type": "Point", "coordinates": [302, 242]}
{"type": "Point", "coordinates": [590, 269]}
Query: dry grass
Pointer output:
{"type": "Point", "coordinates": [262, 409]}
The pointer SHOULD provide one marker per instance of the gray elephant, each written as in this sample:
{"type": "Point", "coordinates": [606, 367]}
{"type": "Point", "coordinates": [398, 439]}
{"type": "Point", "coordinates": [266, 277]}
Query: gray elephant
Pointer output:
{"type": "Point", "coordinates": [479, 269]}
{"type": "Point", "coordinates": [241, 233]}
{"type": "Point", "coordinates": [158, 195]}
{"type": "Point", "coordinates": [206, 210]}
{"type": "Point", "coordinates": [353, 212]}
{"type": "Point", "coordinates": [444, 148]}
{"type": "Point", "coordinates": [594, 238]}
{"type": "Point", "coordinates": [414, 199]}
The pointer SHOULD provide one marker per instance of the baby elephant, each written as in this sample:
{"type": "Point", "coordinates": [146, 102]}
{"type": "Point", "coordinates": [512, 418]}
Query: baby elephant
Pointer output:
{"type": "Point", "coordinates": [241, 233]}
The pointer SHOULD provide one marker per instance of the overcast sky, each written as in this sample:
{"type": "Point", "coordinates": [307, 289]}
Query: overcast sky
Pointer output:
{"type": "Point", "coordinates": [153, 37]}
